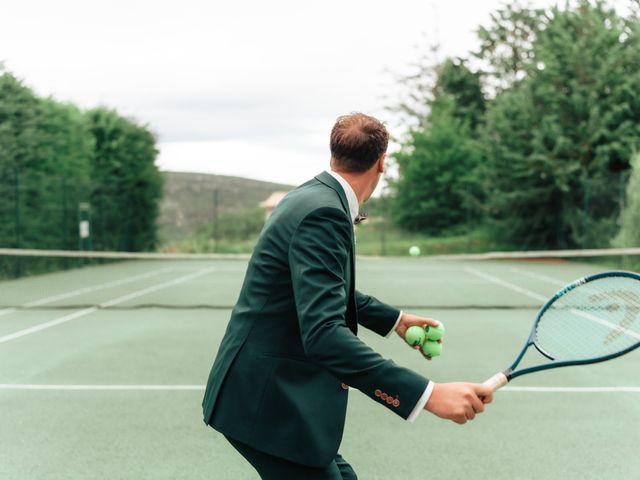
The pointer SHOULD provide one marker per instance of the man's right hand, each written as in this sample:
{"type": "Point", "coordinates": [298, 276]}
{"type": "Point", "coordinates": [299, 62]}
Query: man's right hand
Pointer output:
{"type": "Point", "coordinates": [459, 402]}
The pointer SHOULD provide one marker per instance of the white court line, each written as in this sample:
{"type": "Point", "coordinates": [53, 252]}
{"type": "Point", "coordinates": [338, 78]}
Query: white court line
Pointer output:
{"type": "Point", "coordinates": [18, 386]}
{"type": "Point", "coordinates": [536, 296]}
{"type": "Point", "coordinates": [612, 326]}
{"type": "Point", "coordinates": [81, 291]}
{"type": "Point", "coordinates": [101, 387]}
{"type": "Point", "coordinates": [115, 301]}
{"type": "Point", "coordinates": [572, 389]}
{"type": "Point", "coordinates": [539, 276]}
{"type": "Point", "coordinates": [160, 286]}
{"type": "Point", "coordinates": [94, 288]}
{"type": "Point", "coordinates": [52, 323]}
{"type": "Point", "coordinates": [510, 286]}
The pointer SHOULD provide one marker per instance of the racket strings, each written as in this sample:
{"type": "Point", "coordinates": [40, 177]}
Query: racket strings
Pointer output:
{"type": "Point", "coordinates": [594, 319]}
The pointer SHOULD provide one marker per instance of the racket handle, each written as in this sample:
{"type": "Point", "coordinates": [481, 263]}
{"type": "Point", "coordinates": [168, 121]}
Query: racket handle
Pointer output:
{"type": "Point", "coordinates": [499, 380]}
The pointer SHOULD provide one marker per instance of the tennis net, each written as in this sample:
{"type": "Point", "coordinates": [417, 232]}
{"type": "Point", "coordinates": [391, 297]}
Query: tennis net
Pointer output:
{"type": "Point", "coordinates": [50, 279]}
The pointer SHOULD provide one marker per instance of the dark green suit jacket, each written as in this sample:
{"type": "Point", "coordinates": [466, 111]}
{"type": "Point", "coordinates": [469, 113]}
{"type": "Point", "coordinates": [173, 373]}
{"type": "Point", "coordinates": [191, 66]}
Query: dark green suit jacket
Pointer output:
{"type": "Point", "coordinates": [280, 380]}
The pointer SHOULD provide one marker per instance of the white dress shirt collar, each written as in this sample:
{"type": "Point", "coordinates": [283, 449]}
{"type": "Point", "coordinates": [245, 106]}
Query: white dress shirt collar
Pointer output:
{"type": "Point", "coordinates": [352, 200]}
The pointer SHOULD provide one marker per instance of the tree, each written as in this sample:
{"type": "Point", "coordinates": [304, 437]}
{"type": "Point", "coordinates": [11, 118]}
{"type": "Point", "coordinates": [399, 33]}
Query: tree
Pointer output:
{"type": "Point", "coordinates": [506, 46]}
{"type": "Point", "coordinates": [44, 153]}
{"type": "Point", "coordinates": [523, 187]}
{"type": "Point", "coordinates": [629, 222]}
{"type": "Point", "coordinates": [126, 184]}
{"type": "Point", "coordinates": [18, 116]}
{"type": "Point", "coordinates": [44, 172]}
{"type": "Point", "coordinates": [414, 108]}
{"type": "Point", "coordinates": [455, 79]}
{"type": "Point", "coordinates": [53, 156]}
{"type": "Point", "coordinates": [59, 180]}
{"type": "Point", "coordinates": [557, 142]}
{"type": "Point", "coordinates": [434, 165]}
{"type": "Point", "coordinates": [438, 155]}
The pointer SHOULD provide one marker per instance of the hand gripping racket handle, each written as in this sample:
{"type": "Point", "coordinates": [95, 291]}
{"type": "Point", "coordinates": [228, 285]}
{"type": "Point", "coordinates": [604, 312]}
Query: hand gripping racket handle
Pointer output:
{"type": "Point", "coordinates": [499, 380]}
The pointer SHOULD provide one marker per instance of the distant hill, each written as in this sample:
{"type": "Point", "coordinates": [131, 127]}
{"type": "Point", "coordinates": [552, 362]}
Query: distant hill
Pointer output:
{"type": "Point", "coordinates": [188, 200]}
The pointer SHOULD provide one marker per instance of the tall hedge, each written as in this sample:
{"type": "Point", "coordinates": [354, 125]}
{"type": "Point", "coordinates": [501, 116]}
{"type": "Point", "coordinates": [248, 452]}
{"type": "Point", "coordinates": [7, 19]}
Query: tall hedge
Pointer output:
{"type": "Point", "coordinates": [126, 184]}
{"type": "Point", "coordinates": [54, 156]}
{"type": "Point", "coordinates": [558, 144]}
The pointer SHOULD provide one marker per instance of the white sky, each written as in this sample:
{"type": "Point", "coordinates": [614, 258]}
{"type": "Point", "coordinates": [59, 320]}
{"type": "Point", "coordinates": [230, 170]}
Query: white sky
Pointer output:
{"type": "Point", "coordinates": [246, 88]}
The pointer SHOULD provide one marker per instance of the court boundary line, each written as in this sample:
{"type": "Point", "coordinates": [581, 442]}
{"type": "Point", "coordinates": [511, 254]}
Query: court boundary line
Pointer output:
{"type": "Point", "coordinates": [539, 276]}
{"type": "Point", "coordinates": [504, 283]}
{"type": "Point", "coordinates": [93, 288]}
{"type": "Point", "coordinates": [531, 294]}
{"type": "Point", "coordinates": [115, 301]}
{"type": "Point", "coordinates": [45, 325]}
{"type": "Point", "coordinates": [572, 389]}
{"type": "Point", "coordinates": [80, 291]}
{"type": "Point", "coordinates": [187, 387]}
{"type": "Point", "coordinates": [609, 325]}
{"type": "Point", "coordinates": [31, 386]}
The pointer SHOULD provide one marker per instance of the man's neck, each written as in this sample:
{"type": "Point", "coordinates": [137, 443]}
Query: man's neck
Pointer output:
{"type": "Point", "coordinates": [358, 183]}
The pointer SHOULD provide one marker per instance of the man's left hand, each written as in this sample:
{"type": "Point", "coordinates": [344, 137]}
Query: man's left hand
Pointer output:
{"type": "Point", "coordinates": [408, 320]}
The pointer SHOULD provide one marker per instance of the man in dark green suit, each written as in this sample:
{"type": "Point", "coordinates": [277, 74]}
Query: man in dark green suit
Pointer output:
{"type": "Point", "coordinates": [278, 387]}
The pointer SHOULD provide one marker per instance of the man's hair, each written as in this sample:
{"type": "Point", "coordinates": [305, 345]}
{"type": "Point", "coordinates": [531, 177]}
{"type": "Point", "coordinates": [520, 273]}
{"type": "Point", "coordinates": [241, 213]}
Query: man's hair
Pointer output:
{"type": "Point", "coordinates": [357, 142]}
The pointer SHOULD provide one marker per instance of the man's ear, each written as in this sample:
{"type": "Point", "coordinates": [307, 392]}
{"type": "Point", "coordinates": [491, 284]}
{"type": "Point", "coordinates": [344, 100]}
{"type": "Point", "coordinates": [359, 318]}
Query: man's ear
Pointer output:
{"type": "Point", "coordinates": [381, 163]}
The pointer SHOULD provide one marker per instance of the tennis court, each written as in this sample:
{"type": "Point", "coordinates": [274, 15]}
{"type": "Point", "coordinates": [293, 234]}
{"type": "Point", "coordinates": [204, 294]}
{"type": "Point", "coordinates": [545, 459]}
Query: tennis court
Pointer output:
{"type": "Point", "coordinates": [102, 371]}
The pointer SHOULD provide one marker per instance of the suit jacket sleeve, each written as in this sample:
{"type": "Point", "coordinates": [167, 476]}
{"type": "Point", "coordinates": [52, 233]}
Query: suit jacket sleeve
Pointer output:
{"type": "Point", "coordinates": [375, 315]}
{"type": "Point", "coordinates": [318, 258]}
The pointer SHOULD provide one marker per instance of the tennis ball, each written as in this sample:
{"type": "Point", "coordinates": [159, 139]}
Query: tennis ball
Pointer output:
{"type": "Point", "coordinates": [414, 251]}
{"type": "Point", "coordinates": [435, 333]}
{"type": "Point", "coordinates": [432, 349]}
{"type": "Point", "coordinates": [414, 335]}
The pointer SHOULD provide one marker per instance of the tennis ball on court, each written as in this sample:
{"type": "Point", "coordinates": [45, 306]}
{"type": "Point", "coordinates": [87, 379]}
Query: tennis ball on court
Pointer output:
{"type": "Point", "coordinates": [435, 333]}
{"type": "Point", "coordinates": [414, 335]}
{"type": "Point", "coordinates": [414, 251]}
{"type": "Point", "coordinates": [432, 349]}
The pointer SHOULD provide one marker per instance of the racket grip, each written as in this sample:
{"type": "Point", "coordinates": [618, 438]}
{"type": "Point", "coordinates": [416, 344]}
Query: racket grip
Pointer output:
{"type": "Point", "coordinates": [499, 380]}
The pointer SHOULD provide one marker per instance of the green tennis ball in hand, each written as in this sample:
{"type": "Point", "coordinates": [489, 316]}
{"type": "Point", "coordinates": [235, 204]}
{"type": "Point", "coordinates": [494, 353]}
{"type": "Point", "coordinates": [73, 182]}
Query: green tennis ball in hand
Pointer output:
{"type": "Point", "coordinates": [432, 349]}
{"type": "Point", "coordinates": [414, 335]}
{"type": "Point", "coordinates": [435, 333]}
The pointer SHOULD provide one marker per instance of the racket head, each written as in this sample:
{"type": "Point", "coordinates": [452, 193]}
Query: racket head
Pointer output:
{"type": "Point", "coordinates": [593, 319]}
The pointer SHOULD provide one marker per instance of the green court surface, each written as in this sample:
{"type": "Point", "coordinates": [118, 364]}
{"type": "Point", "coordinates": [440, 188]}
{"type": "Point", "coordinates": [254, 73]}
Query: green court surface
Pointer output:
{"type": "Point", "coordinates": [102, 371]}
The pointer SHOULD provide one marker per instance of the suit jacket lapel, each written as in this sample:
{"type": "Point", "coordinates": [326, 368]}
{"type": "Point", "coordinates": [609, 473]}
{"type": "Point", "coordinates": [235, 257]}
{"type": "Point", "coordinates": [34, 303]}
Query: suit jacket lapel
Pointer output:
{"type": "Point", "coordinates": [352, 312]}
{"type": "Point", "coordinates": [332, 183]}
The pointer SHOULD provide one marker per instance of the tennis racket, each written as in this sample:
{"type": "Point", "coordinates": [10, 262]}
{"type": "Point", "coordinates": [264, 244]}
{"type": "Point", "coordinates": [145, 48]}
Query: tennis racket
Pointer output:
{"type": "Point", "coordinates": [593, 319]}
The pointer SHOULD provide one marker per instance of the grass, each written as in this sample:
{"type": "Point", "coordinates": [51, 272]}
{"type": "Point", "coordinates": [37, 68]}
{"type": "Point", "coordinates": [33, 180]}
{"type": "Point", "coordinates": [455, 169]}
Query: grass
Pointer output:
{"type": "Point", "coordinates": [377, 237]}
{"type": "Point", "coordinates": [198, 244]}
{"type": "Point", "coordinates": [193, 200]}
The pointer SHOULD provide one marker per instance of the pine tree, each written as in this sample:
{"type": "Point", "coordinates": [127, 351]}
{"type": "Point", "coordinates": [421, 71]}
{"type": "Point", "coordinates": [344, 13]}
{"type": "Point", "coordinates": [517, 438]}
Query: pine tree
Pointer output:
{"type": "Point", "coordinates": [506, 45]}
{"type": "Point", "coordinates": [557, 143]}
{"type": "Point", "coordinates": [126, 184]}
{"type": "Point", "coordinates": [455, 79]}
{"type": "Point", "coordinates": [434, 166]}
{"type": "Point", "coordinates": [629, 233]}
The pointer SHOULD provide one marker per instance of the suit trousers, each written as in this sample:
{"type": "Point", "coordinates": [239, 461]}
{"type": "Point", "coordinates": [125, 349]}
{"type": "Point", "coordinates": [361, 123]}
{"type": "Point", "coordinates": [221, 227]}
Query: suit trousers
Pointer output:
{"type": "Point", "coordinates": [270, 467]}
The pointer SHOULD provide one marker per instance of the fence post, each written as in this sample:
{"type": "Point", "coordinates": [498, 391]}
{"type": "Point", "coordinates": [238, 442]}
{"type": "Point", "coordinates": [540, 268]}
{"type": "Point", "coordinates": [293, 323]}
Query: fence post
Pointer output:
{"type": "Point", "coordinates": [18, 262]}
{"type": "Point", "coordinates": [383, 238]}
{"type": "Point", "coordinates": [17, 198]}
{"type": "Point", "coordinates": [215, 220]}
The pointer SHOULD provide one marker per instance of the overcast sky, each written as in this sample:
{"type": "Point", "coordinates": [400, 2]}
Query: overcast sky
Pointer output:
{"type": "Point", "coordinates": [246, 88]}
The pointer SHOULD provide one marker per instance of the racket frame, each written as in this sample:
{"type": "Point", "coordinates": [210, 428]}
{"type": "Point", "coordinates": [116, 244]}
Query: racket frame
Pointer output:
{"type": "Point", "coordinates": [502, 378]}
